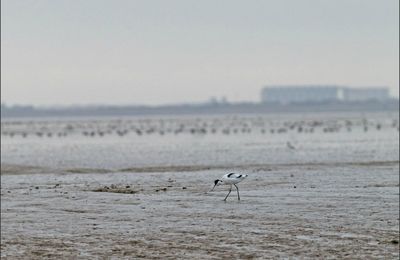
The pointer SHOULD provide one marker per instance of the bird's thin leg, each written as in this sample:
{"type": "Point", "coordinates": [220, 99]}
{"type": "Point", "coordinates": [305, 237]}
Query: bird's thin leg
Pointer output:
{"type": "Point", "coordinates": [237, 191]}
{"type": "Point", "coordinates": [228, 193]}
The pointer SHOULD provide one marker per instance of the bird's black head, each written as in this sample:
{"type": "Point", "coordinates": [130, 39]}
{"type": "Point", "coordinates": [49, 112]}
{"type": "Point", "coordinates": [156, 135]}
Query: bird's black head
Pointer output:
{"type": "Point", "coordinates": [216, 183]}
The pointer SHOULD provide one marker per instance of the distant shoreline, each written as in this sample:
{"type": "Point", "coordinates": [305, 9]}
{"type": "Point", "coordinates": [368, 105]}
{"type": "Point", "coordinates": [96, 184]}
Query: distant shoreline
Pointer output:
{"type": "Point", "coordinates": [22, 169]}
{"type": "Point", "coordinates": [199, 109]}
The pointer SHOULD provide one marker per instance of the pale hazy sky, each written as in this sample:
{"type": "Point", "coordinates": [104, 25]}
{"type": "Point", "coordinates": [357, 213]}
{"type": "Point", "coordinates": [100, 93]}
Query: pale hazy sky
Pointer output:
{"type": "Point", "coordinates": [178, 51]}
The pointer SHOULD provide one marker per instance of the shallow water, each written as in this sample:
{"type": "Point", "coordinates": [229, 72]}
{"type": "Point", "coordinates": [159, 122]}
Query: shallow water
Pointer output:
{"type": "Point", "coordinates": [182, 141]}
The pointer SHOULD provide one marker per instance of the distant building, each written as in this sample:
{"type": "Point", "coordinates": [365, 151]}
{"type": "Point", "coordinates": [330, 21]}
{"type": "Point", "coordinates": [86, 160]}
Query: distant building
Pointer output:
{"type": "Point", "coordinates": [364, 94]}
{"type": "Point", "coordinates": [321, 93]}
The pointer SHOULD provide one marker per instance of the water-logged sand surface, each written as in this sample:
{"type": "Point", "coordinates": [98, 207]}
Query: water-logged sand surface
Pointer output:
{"type": "Point", "coordinates": [306, 211]}
{"type": "Point", "coordinates": [320, 186]}
{"type": "Point", "coordinates": [223, 140]}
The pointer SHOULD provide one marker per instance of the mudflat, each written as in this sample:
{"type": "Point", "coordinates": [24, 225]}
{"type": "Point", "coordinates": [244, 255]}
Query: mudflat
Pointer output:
{"type": "Point", "coordinates": [321, 211]}
{"type": "Point", "coordinates": [320, 186]}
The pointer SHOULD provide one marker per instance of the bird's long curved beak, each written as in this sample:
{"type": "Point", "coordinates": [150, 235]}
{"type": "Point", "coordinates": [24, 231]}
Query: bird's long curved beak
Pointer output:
{"type": "Point", "coordinates": [213, 188]}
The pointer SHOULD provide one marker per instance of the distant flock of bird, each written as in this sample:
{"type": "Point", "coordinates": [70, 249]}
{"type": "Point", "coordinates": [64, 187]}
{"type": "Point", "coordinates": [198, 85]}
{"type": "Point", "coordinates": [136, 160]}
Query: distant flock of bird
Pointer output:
{"type": "Point", "coordinates": [198, 126]}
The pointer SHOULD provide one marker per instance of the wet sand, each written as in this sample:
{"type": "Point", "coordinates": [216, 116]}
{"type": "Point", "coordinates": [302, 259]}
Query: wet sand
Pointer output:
{"type": "Point", "coordinates": [287, 211]}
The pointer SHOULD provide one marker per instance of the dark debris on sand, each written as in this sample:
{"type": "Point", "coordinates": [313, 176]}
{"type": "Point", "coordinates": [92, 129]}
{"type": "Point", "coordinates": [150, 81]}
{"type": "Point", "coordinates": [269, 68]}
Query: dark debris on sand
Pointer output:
{"type": "Point", "coordinates": [126, 189]}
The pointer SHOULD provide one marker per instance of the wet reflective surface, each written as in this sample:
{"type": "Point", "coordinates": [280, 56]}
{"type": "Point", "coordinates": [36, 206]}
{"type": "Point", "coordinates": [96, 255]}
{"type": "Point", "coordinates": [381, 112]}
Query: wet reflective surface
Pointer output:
{"type": "Point", "coordinates": [330, 192]}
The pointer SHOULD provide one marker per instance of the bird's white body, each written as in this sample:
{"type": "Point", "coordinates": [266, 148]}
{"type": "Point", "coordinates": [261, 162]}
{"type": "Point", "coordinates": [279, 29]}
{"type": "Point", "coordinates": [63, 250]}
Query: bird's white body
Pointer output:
{"type": "Point", "coordinates": [230, 179]}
